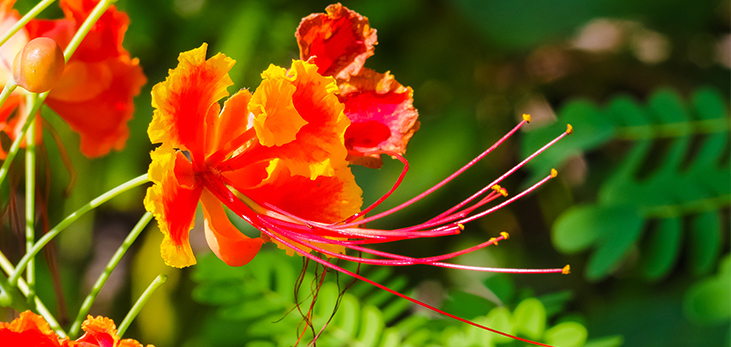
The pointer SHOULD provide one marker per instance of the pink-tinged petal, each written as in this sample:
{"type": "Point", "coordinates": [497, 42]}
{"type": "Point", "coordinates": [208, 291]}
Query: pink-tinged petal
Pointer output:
{"type": "Point", "coordinates": [326, 199]}
{"type": "Point", "coordinates": [8, 18]}
{"type": "Point", "coordinates": [227, 243]}
{"type": "Point", "coordinates": [186, 98]}
{"type": "Point", "coordinates": [173, 199]}
{"type": "Point", "coordinates": [100, 331]}
{"type": "Point", "coordinates": [338, 41]}
{"type": "Point", "coordinates": [381, 113]}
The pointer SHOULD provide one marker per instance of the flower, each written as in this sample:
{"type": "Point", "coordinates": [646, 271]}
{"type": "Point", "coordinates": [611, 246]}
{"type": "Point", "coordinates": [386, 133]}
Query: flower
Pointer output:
{"type": "Point", "coordinates": [100, 79]}
{"type": "Point", "coordinates": [287, 136]}
{"type": "Point", "coordinates": [31, 329]}
{"type": "Point", "coordinates": [380, 109]}
{"type": "Point", "coordinates": [279, 158]}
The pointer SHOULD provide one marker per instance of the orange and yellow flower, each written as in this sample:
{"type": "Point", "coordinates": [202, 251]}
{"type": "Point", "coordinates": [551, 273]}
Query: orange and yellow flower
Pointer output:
{"type": "Point", "coordinates": [287, 137]}
{"type": "Point", "coordinates": [94, 95]}
{"type": "Point", "coordinates": [380, 109]}
{"type": "Point", "coordinates": [31, 329]}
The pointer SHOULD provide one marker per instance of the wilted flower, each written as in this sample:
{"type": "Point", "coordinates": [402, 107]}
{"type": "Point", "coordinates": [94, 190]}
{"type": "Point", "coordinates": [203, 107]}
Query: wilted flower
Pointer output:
{"type": "Point", "coordinates": [94, 94]}
{"type": "Point", "coordinates": [31, 329]}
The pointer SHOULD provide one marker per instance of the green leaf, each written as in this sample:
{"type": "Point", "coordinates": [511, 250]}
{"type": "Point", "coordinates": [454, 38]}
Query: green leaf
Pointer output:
{"type": "Point", "coordinates": [663, 248]}
{"type": "Point", "coordinates": [567, 334]}
{"type": "Point", "coordinates": [529, 318]}
{"type": "Point", "coordinates": [709, 301]}
{"type": "Point", "coordinates": [704, 241]}
{"type": "Point", "coordinates": [581, 226]}
{"type": "Point", "coordinates": [676, 169]}
{"type": "Point", "coordinates": [614, 244]}
{"type": "Point", "coordinates": [499, 318]}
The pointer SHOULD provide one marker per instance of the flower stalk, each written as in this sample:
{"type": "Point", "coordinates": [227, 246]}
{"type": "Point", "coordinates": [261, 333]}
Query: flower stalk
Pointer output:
{"type": "Point", "coordinates": [104, 276]}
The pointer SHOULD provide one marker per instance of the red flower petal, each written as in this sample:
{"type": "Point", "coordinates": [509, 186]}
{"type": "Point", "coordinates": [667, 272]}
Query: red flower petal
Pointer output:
{"type": "Point", "coordinates": [101, 120]}
{"type": "Point", "coordinates": [173, 200]}
{"type": "Point", "coordinates": [381, 113]}
{"type": "Point", "coordinates": [29, 329]}
{"type": "Point", "coordinates": [338, 42]}
{"type": "Point", "coordinates": [183, 101]}
{"type": "Point", "coordinates": [228, 243]}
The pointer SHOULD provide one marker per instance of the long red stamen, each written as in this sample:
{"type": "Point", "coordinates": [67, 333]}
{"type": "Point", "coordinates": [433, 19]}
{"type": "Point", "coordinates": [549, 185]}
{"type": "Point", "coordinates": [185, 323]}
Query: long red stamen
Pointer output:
{"type": "Point", "coordinates": [444, 181]}
{"type": "Point", "coordinates": [390, 191]}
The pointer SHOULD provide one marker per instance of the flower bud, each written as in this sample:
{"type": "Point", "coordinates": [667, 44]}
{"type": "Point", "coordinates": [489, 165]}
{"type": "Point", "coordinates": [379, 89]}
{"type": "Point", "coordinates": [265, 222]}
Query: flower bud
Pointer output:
{"type": "Point", "coordinates": [39, 65]}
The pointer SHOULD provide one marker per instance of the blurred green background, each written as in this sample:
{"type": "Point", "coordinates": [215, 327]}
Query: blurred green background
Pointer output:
{"type": "Point", "coordinates": [640, 208]}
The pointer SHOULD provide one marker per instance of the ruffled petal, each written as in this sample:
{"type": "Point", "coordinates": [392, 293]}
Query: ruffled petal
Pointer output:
{"type": "Point", "coordinates": [95, 99]}
{"type": "Point", "coordinates": [338, 41]}
{"type": "Point", "coordinates": [227, 243]}
{"type": "Point", "coordinates": [318, 146]}
{"type": "Point", "coordinates": [381, 113]}
{"type": "Point", "coordinates": [100, 331]}
{"type": "Point", "coordinates": [95, 94]}
{"type": "Point", "coordinates": [173, 200]}
{"type": "Point", "coordinates": [189, 93]}
{"type": "Point", "coordinates": [276, 120]}
{"type": "Point", "coordinates": [29, 329]}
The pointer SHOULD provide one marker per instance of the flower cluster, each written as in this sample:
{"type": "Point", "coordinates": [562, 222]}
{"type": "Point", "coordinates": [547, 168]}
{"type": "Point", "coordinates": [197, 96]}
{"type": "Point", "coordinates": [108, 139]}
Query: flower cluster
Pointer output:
{"type": "Point", "coordinates": [94, 93]}
{"type": "Point", "coordinates": [279, 158]}
{"type": "Point", "coordinates": [31, 329]}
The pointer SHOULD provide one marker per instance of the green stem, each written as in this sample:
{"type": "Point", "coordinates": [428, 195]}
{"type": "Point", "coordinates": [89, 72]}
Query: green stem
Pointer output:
{"type": "Point", "coordinates": [140, 302]}
{"type": "Point", "coordinates": [654, 131]}
{"type": "Point", "coordinates": [688, 207]}
{"type": "Point", "coordinates": [11, 297]}
{"type": "Point", "coordinates": [76, 326]}
{"type": "Point", "coordinates": [85, 27]}
{"type": "Point", "coordinates": [70, 49]}
{"type": "Point", "coordinates": [23, 21]}
{"type": "Point", "coordinates": [15, 147]}
{"type": "Point", "coordinates": [70, 219]}
{"type": "Point", "coordinates": [38, 304]}
{"type": "Point", "coordinates": [7, 90]}
{"type": "Point", "coordinates": [30, 201]}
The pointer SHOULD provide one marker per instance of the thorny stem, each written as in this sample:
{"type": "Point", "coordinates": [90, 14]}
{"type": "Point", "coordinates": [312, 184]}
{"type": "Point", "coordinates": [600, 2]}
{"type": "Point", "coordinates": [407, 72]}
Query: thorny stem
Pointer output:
{"type": "Point", "coordinates": [159, 280]}
{"type": "Point", "coordinates": [84, 310]}
{"type": "Point", "coordinates": [73, 217]}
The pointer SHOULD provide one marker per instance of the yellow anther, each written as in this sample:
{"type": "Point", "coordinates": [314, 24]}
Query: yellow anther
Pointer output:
{"type": "Point", "coordinates": [504, 192]}
{"type": "Point", "coordinates": [526, 117]}
{"type": "Point", "coordinates": [496, 188]}
{"type": "Point", "coordinates": [569, 129]}
{"type": "Point", "coordinates": [554, 173]}
{"type": "Point", "coordinates": [460, 226]}
{"type": "Point", "coordinates": [505, 235]}
{"type": "Point", "coordinates": [493, 240]}
{"type": "Point", "coordinates": [566, 270]}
